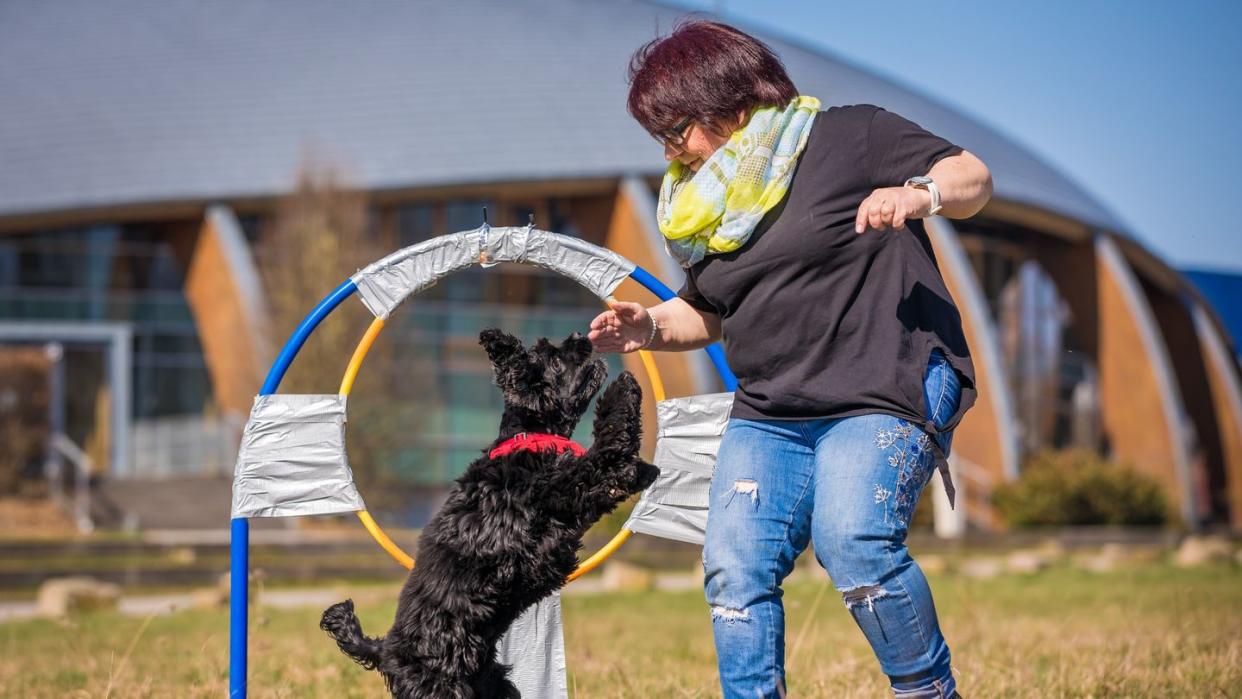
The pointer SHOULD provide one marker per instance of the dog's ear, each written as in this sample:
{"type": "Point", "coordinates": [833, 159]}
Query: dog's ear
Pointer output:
{"type": "Point", "coordinates": [578, 347]}
{"type": "Point", "coordinates": [586, 385]}
{"type": "Point", "coordinates": [501, 347]}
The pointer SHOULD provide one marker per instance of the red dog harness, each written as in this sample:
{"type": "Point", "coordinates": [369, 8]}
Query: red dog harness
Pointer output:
{"type": "Point", "coordinates": [536, 441]}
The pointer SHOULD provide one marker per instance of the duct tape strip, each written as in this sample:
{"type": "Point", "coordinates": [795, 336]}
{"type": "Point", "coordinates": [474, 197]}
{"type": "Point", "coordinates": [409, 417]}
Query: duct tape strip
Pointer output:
{"type": "Point", "coordinates": [292, 459]}
{"type": "Point", "coordinates": [384, 284]}
{"type": "Point", "coordinates": [534, 646]}
{"type": "Point", "coordinates": [690, 429]}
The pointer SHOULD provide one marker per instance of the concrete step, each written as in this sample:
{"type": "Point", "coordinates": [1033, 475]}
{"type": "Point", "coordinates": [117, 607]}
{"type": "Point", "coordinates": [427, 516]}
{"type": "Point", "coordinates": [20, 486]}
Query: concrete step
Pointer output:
{"type": "Point", "coordinates": [181, 503]}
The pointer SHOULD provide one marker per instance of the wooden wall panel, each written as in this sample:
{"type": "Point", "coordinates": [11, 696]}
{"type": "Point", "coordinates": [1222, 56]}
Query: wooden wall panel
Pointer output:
{"type": "Point", "coordinates": [1174, 317]}
{"type": "Point", "coordinates": [1226, 390]}
{"type": "Point", "coordinates": [222, 291]}
{"type": "Point", "coordinates": [1140, 404]}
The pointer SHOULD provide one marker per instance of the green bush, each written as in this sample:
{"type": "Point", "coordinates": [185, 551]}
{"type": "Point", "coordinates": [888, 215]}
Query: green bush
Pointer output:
{"type": "Point", "coordinates": [1078, 486]}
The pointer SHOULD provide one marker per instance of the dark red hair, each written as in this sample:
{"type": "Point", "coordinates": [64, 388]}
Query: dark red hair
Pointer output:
{"type": "Point", "coordinates": [705, 70]}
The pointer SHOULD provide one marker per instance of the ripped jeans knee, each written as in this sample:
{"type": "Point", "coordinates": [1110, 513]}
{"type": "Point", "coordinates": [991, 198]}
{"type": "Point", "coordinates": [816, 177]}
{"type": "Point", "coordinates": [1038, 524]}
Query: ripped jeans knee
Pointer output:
{"type": "Point", "coordinates": [736, 583]}
{"type": "Point", "coordinates": [863, 595]}
{"type": "Point", "coordinates": [729, 614]}
{"type": "Point", "coordinates": [732, 586]}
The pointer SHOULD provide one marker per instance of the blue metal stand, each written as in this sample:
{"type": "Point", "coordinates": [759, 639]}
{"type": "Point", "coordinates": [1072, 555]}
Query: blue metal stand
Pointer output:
{"type": "Point", "coordinates": [239, 580]}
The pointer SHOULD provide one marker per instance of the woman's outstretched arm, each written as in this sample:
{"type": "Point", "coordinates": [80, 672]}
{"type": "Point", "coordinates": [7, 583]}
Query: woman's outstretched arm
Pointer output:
{"type": "Point", "coordinates": [678, 326]}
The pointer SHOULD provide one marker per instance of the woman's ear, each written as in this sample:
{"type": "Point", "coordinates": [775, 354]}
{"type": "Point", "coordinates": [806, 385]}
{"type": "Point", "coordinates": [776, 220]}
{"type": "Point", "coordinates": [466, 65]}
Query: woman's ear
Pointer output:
{"type": "Point", "coordinates": [728, 126]}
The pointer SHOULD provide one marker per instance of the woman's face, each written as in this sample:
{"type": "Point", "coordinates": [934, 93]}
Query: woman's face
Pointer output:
{"type": "Point", "coordinates": [701, 142]}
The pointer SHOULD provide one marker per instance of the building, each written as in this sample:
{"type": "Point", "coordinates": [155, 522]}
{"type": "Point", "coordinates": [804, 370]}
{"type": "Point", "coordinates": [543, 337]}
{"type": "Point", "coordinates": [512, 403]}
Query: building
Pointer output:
{"type": "Point", "coordinates": [144, 144]}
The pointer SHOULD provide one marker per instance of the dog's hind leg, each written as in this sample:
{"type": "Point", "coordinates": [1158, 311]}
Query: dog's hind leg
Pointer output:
{"type": "Point", "coordinates": [342, 625]}
{"type": "Point", "coordinates": [493, 681]}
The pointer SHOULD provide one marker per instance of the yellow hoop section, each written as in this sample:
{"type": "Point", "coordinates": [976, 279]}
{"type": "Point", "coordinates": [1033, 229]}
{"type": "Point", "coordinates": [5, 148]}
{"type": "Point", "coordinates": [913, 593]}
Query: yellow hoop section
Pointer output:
{"type": "Point", "coordinates": [385, 543]}
{"type": "Point", "coordinates": [347, 385]}
{"type": "Point", "coordinates": [405, 559]}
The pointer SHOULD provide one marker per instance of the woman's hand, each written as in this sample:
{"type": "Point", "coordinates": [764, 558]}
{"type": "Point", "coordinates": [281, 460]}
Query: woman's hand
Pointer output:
{"type": "Point", "coordinates": [624, 327]}
{"type": "Point", "coordinates": [889, 207]}
{"type": "Point", "coordinates": [965, 186]}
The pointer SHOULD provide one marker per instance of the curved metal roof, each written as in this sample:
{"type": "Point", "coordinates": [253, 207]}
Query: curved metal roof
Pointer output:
{"type": "Point", "coordinates": [136, 101]}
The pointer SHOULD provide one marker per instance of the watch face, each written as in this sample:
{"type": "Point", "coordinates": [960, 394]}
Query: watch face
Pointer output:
{"type": "Point", "coordinates": [919, 180]}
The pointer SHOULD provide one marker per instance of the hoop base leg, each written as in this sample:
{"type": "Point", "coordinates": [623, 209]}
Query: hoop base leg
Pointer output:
{"type": "Point", "coordinates": [239, 581]}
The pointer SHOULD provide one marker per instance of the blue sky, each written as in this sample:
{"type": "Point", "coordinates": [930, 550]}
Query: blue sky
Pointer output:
{"type": "Point", "coordinates": [1138, 102]}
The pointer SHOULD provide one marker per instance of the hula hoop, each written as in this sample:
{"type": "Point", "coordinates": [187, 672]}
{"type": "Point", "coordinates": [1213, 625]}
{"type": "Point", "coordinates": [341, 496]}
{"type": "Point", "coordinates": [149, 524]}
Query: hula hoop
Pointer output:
{"type": "Point", "coordinates": [348, 288]}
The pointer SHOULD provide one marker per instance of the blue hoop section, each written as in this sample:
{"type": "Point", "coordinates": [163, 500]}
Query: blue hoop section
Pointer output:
{"type": "Point", "coordinates": [714, 350]}
{"type": "Point", "coordinates": [303, 331]}
{"type": "Point", "coordinates": [239, 542]}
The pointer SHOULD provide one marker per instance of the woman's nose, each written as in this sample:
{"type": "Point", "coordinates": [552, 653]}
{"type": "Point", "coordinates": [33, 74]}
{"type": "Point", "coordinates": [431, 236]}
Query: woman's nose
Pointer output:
{"type": "Point", "coordinates": [671, 152]}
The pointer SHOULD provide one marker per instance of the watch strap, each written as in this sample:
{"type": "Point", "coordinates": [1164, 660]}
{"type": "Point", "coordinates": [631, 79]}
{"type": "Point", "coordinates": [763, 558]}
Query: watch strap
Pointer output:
{"type": "Point", "coordinates": [924, 182]}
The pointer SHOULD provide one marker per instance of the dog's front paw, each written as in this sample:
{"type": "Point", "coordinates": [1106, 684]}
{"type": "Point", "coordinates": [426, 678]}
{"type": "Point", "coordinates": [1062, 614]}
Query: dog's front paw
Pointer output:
{"type": "Point", "coordinates": [633, 478]}
{"type": "Point", "coordinates": [623, 396]}
{"type": "Point", "coordinates": [618, 415]}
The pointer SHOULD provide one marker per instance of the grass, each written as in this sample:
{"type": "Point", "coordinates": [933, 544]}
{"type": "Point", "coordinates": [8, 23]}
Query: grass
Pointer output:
{"type": "Point", "coordinates": [1152, 631]}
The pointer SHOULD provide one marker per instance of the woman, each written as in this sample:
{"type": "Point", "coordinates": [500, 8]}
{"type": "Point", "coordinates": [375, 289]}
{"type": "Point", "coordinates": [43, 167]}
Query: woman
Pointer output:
{"type": "Point", "coordinates": [800, 235]}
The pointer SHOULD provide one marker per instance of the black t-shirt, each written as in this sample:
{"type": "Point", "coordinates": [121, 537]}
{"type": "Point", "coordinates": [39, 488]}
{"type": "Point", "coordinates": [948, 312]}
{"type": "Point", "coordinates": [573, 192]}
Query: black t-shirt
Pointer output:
{"type": "Point", "coordinates": [820, 321]}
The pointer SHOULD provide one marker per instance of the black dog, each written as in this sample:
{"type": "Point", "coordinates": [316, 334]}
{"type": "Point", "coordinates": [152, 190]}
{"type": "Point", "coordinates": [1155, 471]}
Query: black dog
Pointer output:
{"type": "Point", "coordinates": [508, 534]}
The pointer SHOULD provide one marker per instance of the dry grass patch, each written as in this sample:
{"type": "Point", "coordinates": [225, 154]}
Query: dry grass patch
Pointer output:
{"type": "Point", "coordinates": [1155, 631]}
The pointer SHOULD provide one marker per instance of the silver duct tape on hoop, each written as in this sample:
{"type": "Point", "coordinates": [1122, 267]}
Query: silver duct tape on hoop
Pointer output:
{"type": "Point", "coordinates": [534, 646]}
{"type": "Point", "coordinates": [384, 284]}
{"type": "Point", "coordinates": [690, 429]}
{"type": "Point", "coordinates": [292, 459]}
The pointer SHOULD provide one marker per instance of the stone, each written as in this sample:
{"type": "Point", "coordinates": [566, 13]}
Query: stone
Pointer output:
{"type": "Point", "coordinates": [678, 582]}
{"type": "Point", "coordinates": [1202, 550]}
{"type": "Point", "coordinates": [1098, 563]}
{"type": "Point", "coordinates": [224, 587]}
{"type": "Point", "coordinates": [981, 568]}
{"type": "Point", "coordinates": [183, 555]}
{"type": "Point", "coordinates": [1027, 561]}
{"type": "Point", "coordinates": [1107, 559]}
{"type": "Point", "coordinates": [1052, 550]}
{"type": "Point", "coordinates": [62, 597]}
{"type": "Point", "coordinates": [933, 564]}
{"type": "Point", "coordinates": [210, 597]}
{"type": "Point", "coordinates": [620, 576]}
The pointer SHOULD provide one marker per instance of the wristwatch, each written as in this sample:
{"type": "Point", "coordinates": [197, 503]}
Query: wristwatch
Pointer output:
{"type": "Point", "coordinates": [924, 182]}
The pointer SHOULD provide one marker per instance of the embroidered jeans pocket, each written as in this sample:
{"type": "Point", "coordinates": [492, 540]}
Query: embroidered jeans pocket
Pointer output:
{"type": "Point", "coordinates": [908, 448]}
{"type": "Point", "coordinates": [908, 452]}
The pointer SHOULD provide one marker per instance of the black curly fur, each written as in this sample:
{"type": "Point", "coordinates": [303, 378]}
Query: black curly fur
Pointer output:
{"type": "Point", "coordinates": [509, 532]}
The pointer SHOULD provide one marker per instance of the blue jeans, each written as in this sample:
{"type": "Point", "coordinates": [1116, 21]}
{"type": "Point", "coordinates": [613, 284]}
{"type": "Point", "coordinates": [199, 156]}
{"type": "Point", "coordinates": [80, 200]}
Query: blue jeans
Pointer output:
{"type": "Point", "coordinates": [849, 485]}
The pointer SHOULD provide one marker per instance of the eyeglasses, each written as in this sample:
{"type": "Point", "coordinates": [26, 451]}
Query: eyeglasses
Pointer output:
{"type": "Point", "coordinates": [676, 135]}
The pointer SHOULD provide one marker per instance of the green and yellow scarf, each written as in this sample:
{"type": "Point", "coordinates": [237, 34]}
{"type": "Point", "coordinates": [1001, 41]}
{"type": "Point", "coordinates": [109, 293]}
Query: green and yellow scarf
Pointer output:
{"type": "Point", "coordinates": [715, 209]}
